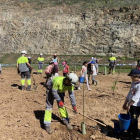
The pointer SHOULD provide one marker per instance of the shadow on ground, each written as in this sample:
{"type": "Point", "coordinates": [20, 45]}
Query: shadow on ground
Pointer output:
{"type": "Point", "coordinates": [16, 86]}
{"type": "Point", "coordinates": [39, 114]}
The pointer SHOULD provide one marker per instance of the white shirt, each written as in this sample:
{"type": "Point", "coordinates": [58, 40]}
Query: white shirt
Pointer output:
{"type": "Point", "coordinates": [134, 93]}
{"type": "Point", "coordinates": [94, 70]}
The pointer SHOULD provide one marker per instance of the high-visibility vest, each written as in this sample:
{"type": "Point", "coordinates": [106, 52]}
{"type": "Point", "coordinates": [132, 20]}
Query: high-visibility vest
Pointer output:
{"type": "Point", "coordinates": [112, 60]}
{"type": "Point", "coordinates": [58, 85]}
{"type": "Point", "coordinates": [40, 60]}
{"type": "Point", "coordinates": [22, 64]}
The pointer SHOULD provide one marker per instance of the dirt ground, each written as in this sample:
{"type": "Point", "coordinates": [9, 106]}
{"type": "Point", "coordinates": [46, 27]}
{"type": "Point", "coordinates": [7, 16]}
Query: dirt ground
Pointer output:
{"type": "Point", "coordinates": [22, 112]}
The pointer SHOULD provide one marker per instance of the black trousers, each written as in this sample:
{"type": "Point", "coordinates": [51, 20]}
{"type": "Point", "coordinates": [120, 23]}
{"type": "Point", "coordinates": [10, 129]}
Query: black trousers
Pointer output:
{"type": "Point", "coordinates": [89, 73]}
{"type": "Point", "coordinates": [133, 128]}
{"type": "Point", "coordinates": [65, 74]}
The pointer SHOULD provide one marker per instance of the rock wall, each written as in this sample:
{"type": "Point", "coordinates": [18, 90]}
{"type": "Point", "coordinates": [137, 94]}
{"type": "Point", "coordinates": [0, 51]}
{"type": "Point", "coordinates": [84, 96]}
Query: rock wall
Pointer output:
{"type": "Point", "coordinates": [64, 31]}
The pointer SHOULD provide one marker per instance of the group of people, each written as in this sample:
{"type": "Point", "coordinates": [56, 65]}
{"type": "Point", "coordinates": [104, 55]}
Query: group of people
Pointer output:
{"type": "Point", "coordinates": [58, 85]}
{"type": "Point", "coordinates": [89, 68]}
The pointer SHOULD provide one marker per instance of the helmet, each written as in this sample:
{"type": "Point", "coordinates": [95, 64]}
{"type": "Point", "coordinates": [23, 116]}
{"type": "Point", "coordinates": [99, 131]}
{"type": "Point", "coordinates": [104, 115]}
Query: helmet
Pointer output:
{"type": "Point", "coordinates": [73, 78]}
{"type": "Point", "coordinates": [55, 54]}
{"type": "Point", "coordinates": [111, 53]}
{"type": "Point", "coordinates": [41, 54]}
{"type": "Point", "coordinates": [134, 72]}
{"type": "Point", "coordinates": [23, 52]}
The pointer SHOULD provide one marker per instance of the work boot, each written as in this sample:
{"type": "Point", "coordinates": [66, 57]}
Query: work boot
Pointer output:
{"type": "Point", "coordinates": [49, 130]}
{"type": "Point", "coordinates": [29, 88]}
{"type": "Point", "coordinates": [69, 127]}
{"type": "Point", "coordinates": [23, 88]}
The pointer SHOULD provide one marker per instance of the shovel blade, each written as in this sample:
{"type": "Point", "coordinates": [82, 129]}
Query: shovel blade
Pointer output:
{"type": "Point", "coordinates": [35, 86]}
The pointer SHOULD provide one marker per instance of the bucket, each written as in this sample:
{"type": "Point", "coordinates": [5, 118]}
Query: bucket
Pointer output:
{"type": "Point", "coordinates": [124, 121]}
{"type": "Point", "coordinates": [81, 79]}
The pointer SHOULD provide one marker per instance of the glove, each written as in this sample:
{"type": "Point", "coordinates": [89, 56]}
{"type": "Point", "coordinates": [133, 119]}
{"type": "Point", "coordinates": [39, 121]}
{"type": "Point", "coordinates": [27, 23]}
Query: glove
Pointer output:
{"type": "Point", "coordinates": [61, 104]}
{"type": "Point", "coordinates": [75, 109]}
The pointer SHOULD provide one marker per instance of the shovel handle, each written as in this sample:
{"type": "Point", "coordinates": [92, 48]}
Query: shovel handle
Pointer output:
{"type": "Point", "coordinates": [88, 117]}
{"type": "Point", "coordinates": [33, 77]}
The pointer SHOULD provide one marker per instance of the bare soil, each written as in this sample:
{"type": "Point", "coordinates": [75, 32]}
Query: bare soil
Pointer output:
{"type": "Point", "coordinates": [22, 112]}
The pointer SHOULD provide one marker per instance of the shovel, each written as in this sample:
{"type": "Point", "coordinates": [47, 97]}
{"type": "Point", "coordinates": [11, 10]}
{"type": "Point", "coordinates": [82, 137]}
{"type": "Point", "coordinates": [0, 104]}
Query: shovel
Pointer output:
{"type": "Point", "coordinates": [34, 83]}
{"type": "Point", "coordinates": [105, 128]}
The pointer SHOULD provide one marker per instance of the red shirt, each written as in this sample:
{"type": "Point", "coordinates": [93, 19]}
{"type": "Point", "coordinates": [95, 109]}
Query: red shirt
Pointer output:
{"type": "Point", "coordinates": [66, 68]}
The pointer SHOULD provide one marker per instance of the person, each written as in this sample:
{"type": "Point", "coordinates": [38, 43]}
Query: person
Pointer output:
{"type": "Point", "coordinates": [55, 59]}
{"type": "Point", "coordinates": [22, 67]}
{"type": "Point", "coordinates": [48, 70]}
{"type": "Point", "coordinates": [138, 64]}
{"type": "Point", "coordinates": [66, 69]}
{"type": "Point", "coordinates": [0, 70]}
{"type": "Point", "coordinates": [132, 103]}
{"type": "Point", "coordinates": [89, 70]}
{"type": "Point", "coordinates": [55, 70]}
{"type": "Point", "coordinates": [29, 60]}
{"type": "Point", "coordinates": [96, 61]}
{"type": "Point", "coordinates": [112, 63]}
{"type": "Point", "coordinates": [94, 73]}
{"type": "Point", "coordinates": [56, 88]}
{"type": "Point", "coordinates": [84, 74]}
{"type": "Point", "coordinates": [40, 62]}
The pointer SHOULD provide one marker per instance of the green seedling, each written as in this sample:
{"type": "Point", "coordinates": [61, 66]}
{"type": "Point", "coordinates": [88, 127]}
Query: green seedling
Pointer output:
{"type": "Point", "coordinates": [115, 82]}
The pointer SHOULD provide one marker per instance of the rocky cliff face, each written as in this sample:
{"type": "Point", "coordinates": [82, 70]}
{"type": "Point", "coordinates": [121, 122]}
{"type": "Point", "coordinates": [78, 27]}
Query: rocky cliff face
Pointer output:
{"type": "Point", "coordinates": [63, 30]}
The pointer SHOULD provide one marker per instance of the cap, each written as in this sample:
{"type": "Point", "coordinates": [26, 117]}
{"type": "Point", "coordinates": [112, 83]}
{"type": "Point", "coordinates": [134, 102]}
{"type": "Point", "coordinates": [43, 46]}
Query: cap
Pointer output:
{"type": "Point", "coordinates": [134, 72]}
{"type": "Point", "coordinates": [92, 62]}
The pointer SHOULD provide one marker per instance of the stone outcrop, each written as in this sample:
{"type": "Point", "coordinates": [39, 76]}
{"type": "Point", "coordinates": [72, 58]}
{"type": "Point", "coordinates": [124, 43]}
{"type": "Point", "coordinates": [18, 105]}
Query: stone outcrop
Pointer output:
{"type": "Point", "coordinates": [63, 31]}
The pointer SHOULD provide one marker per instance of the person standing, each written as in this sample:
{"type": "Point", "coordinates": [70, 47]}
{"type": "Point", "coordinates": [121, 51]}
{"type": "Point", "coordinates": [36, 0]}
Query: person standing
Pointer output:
{"type": "Point", "coordinates": [66, 69]}
{"type": "Point", "coordinates": [55, 70]}
{"type": "Point", "coordinates": [55, 59]}
{"type": "Point", "coordinates": [40, 62]}
{"type": "Point", "coordinates": [84, 74]}
{"type": "Point", "coordinates": [96, 61]}
{"type": "Point", "coordinates": [94, 73]}
{"type": "Point", "coordinates": [56, 89]}
{"type": "Point", "coordinates": [89, 70]}
{"type": "Point", "coordinates": [132, 103]}
{"type": "Point", "coordinates": [22, 67]}
{"type": "Point", "coordinates": [112, 63]}
{"type": "Point", "coordinates": [48, 70]}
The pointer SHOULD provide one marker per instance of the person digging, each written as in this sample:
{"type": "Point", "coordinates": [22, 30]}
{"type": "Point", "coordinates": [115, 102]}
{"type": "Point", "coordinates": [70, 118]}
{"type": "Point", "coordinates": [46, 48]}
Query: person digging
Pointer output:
{"type": "Point", "coordinates": [56, 90]}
